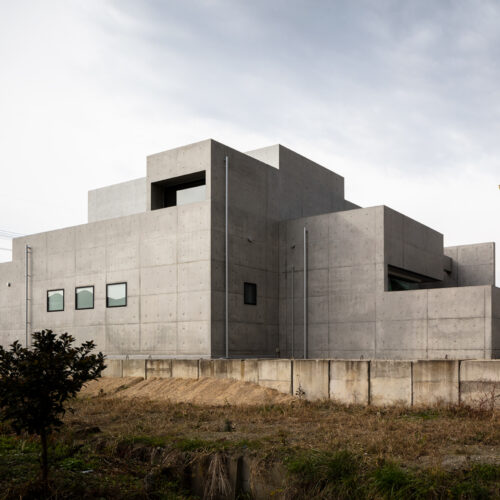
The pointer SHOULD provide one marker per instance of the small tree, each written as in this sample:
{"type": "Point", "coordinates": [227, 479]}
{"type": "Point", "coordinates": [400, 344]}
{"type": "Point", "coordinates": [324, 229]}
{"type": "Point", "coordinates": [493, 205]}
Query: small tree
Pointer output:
{"type": "Point", "coordinates": [35, 383]}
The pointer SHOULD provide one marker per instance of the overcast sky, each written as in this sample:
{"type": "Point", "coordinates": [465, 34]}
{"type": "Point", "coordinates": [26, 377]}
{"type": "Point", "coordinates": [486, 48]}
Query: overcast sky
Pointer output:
{"type": "Point", "coordinates": [401, 98]}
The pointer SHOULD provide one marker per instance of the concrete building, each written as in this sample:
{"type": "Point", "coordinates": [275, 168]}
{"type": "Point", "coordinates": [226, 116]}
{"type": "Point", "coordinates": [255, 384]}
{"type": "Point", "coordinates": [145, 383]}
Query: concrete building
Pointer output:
{"type": "Point", "coordinates": [308, 272]}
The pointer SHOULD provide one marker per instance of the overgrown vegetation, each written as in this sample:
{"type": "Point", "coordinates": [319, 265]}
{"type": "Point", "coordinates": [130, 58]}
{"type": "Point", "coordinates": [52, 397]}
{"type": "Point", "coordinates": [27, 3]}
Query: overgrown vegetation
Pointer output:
{"type": "Point", "coordinates": [116, 448]}
{"type": "Point", "coordinates": [36, 383]}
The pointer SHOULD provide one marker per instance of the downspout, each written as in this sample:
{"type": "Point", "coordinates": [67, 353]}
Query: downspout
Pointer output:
{"type": "Point", "coordinates": [227, 260]}
{"type": "Point", "coordinates": [27, 250]}
{"type": "Point", "coordinates": [305, 293]}
{"type": "Point", "coordinates": [293, 314]}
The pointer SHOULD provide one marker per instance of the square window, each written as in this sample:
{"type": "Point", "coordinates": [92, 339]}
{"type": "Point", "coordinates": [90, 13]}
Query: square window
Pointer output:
{"type": "Point", "coordinates": [250, 294]}
{"type": "Point", "coordinates": [116, 295]}
{"type": "Point", "coordinates": [84, 297]}
{"type": "Point", "coordinates": [55, 300]}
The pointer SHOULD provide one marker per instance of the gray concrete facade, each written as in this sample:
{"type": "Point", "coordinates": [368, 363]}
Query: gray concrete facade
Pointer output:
{"type": "Point", "coordinates": [379, 284]}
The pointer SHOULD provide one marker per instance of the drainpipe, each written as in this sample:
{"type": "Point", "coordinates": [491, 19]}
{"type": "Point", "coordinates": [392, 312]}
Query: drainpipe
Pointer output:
{"type": "Point", "coordinates": [305, 293]}
{"type": "Point", "coordinates": [27, 250]}
{"type": "Point", "coordinates": [227, 260]}
{"type": "Point", "coordinates": [293, 315]}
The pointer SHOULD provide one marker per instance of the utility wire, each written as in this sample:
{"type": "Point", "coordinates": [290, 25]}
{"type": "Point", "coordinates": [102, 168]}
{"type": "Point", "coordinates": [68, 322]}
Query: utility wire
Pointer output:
{"type": "Point", "coordinates": [7, 249]}
{"type": "Point", "coordinates": [9, 234]}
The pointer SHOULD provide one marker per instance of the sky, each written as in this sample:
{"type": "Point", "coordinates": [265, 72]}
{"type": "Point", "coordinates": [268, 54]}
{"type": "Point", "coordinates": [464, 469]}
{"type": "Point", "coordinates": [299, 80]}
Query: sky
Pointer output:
{"type": "Point", "coordinates": [400, 98]}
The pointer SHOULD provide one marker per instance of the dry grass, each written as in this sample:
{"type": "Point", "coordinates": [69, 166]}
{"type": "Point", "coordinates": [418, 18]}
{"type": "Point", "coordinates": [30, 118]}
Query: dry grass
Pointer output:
{"type": "Point", "coordinates": [115, 445]}
{"type": "Point", "coordinates": [429, 436]}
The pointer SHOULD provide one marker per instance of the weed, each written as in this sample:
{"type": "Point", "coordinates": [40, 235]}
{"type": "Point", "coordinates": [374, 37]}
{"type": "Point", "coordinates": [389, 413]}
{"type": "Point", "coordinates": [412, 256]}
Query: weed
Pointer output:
{"type": "Point", "coordinates": [324, 474]}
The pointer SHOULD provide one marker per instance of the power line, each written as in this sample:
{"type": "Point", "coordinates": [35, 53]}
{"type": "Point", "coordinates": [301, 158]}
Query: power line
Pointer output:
{"type": "Point", "coordinates": [7, 249]}
{"type": "Point", "coordinates": [9, 234]}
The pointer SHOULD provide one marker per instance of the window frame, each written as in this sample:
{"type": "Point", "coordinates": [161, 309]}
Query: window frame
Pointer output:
{"type": "Point", "coordinates": [254, 285]}
{"type": "Point", "coordinates": [126, 294]}
{"type": "Point", "coordinates": [76, 298]}
{"type": "Point", "coordinates": [63, 305]}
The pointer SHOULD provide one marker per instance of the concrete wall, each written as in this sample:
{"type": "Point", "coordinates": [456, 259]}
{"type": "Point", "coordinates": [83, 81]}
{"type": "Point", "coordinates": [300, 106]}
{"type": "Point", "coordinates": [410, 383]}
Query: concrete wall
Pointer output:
{"type": "Point", "coordinates": [305, 188]}
{"type": "Point", "coordinates": [351, 315]}
{"type": "Point", "coordinates": [163, 256]}
{"type": "Point", "coordinates": [264, 186]}
{"type": "Point", "coordinates": [471, 265]}
{"type": "Point", "coordinates": [412, 246]}
{"type": "Point", "coordinates": [377, 382]}
{"type": "Point", "coordinates": [117, 200]}
{"type": "Point", "coordinates": [253, 255]}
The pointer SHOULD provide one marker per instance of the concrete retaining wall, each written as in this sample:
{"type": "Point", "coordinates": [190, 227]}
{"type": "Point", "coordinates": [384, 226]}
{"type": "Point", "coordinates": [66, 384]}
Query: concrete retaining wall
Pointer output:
{"type": "Point", "coordinates": [376, 382]}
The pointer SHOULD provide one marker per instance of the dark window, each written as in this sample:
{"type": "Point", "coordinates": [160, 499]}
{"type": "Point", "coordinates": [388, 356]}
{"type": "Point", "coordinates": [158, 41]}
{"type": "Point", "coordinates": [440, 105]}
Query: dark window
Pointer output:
{"type": "Point", "coordinates": [401, 279]}
{"type": "Point", "coordinates": [250, 294]}
{"type": "Point", "coordinates": [178, 191]}
{"type": "Point", "coordinates": [116, 295]}
{"type": "Point", "coordinates": [55, 300]}
{"type": "Point", "coordinates": [84, 297]}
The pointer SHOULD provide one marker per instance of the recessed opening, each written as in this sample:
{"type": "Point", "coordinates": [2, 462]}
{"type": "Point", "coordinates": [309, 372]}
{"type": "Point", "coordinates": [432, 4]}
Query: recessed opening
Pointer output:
{"type": "Point", "coordinates": [250, 294]}
{"type": "Point", "coordinates": [401, 279]}
{"type": "Point", "coordinates": [180, 190]}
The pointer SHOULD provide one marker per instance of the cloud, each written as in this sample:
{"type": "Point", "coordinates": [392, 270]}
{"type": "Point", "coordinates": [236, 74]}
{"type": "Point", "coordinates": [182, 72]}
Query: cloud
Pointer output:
{"type": "Point", "coordinates": [400, 98]}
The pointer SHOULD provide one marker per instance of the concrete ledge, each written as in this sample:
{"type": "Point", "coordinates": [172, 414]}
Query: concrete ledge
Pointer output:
{"type": "Point", "coordinates": [480, 382]}
{"type": "Point", "coordinates": [134, 368]}
{"type": "Point", "coordinates": [114, 368]}
{"type": "Point", "coordinates": [186, 368]}
{"type": "Point", "coordinates": [276, 374]}
{"type": "Point", "coordinates": [250, 370]}
{"type": "Point", "coordinates": [390, 383]}
{"type": "Point", "coordinates": [377, 382]}
{"type": "Point", "coordinates": [349, 381]}
{"type": "Point", "coordinates": [435, 381]}
{"type": "Point", "coordinates": [221, 368]}
{"type": "Point", "coordinates": [310, 379]}
{"type": "Point", "coordinates": [161, 368]}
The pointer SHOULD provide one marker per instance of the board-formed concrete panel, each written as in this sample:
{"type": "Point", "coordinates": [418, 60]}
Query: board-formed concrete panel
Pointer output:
{"type": "Point", "coordinates": [185, 368]}
{"type": "Point", "coordinates": [159, 368]}
{"type": "Point", "coordinates": [390, 382]}
{"type": "Point", "coordinates": [276, 374]}
{"type": "Point", "coordinates": [350, 381]}
{"type": "Point", "coordinates": [310, 378]}
{"type": "Point", "coordinates": [134, 368]}
{"type": "Point", "coordinates": [480, 383]}
{"type": "Point", "coordinates": [435, 382]}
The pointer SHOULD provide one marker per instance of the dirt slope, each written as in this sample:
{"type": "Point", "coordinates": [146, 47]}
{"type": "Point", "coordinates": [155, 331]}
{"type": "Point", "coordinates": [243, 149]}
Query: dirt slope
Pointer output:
{"type": "Point", "coordinates": [205, 391]}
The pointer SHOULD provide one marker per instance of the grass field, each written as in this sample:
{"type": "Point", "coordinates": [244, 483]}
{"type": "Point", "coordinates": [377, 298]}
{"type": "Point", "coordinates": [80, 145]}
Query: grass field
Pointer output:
{"type": "Point", "coordinates": [114, 447]}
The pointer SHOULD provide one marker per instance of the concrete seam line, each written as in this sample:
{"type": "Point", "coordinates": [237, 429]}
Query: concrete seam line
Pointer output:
{"type": "Point", "coordinates": [369, 374]}
{"type": "Point", "coordinates": [459, 381]}
{"type": "Point", "coordinates": [329, 361]}
{"type": "Point", "coordinates": [411, 383]}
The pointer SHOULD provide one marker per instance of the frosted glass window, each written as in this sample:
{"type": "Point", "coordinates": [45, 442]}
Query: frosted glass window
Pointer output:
{"type": "Point", "coordinates": [84, 297]}
{"type": "Point", "coordinates": [55, 300]}
{"type": "Point", "coordinates": [190, 195]}
{"type": "Point", "coordinates": [116, 295]}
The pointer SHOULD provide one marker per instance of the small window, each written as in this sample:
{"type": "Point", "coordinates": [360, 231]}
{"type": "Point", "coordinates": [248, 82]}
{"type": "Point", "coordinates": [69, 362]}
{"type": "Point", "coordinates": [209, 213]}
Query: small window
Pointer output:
{"type": "Point", "coordinates": [250, 294]}
{"type": "Point", "coordinates": [84, 297]}
{"type": "Point", "coordinates": [116, 295]}
{"type": "Point", "coordinates": [55, 300]}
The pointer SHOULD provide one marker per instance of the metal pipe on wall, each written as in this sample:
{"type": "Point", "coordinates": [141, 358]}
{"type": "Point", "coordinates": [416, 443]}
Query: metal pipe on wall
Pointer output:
{"type": "Point", "coordinates": [293, 315]}
{"type": "Point", "coordinates": [227, 260]}
{"type": "Point", "coordinates": [305, 293]}
{"type": "Point", "coordinates": [27, 250]}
